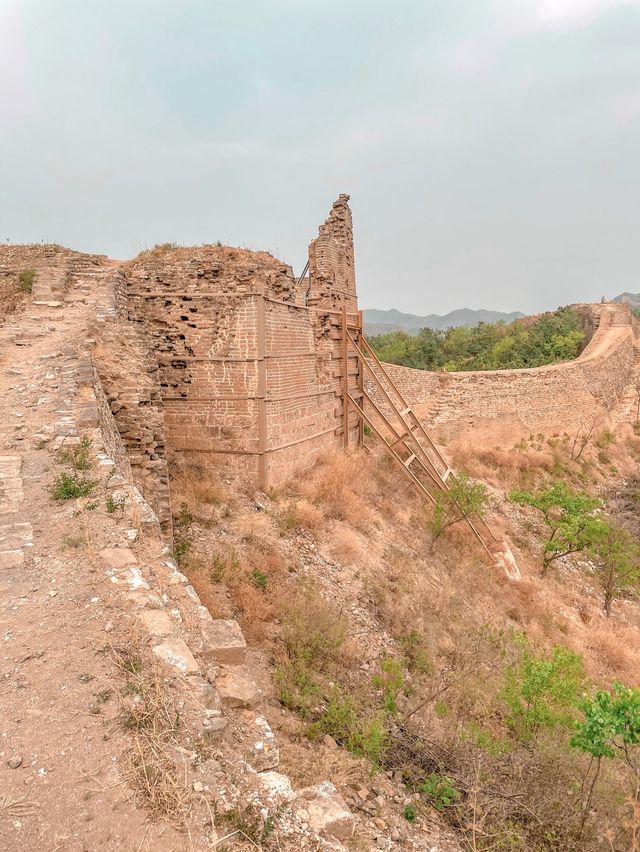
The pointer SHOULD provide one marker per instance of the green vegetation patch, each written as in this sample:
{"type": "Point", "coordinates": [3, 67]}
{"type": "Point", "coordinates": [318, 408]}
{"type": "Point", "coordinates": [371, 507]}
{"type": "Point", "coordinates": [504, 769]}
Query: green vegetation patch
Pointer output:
{"type": "Point", "coordinates": [554, 337]}
{"type": "Point", "coordinates": [69, 486]}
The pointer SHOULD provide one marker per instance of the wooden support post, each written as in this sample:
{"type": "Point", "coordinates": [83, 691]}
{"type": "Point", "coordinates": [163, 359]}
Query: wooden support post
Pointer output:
{"type": "Point", "coordinates": [360, 380]}
{"type": "Point", "coordinates": [345, 376]}
{"type": "Point", "coordinates": [261, 335]}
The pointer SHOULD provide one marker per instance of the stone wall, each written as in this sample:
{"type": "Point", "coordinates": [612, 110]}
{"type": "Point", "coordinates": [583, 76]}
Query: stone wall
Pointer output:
{"type": "Point", "coordinates": [501, 407]}
{"type": "Point", "coordinates": [249, 363]}
{"type": "Point", "coordinates": [128, 389]}
{"type": "Point", "coordinates": [332, 277]}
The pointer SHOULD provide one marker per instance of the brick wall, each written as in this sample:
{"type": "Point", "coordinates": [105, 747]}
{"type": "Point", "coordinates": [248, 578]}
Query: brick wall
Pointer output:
{"type": "Point", "coordinates": [249, 364]}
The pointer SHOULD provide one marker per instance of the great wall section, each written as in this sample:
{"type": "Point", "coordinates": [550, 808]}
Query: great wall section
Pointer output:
{"type": "Point", "coordinates": [210, 350]}
{"type": "Point", "coordinates": [501, 407]}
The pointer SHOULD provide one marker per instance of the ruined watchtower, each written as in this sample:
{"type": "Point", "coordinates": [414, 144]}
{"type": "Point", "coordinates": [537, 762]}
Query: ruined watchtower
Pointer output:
{"type": "Point", "coordinates": [252, 364]}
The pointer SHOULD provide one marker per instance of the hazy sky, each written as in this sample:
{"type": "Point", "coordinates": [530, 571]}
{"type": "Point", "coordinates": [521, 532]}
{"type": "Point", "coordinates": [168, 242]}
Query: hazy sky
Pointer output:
{"type": "Point", "coordinates": [491, 149]}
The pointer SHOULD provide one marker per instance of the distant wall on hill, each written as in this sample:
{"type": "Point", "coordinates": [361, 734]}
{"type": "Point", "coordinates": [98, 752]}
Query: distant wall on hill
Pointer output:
{"type": "Point", "coordinates": [500, 407]}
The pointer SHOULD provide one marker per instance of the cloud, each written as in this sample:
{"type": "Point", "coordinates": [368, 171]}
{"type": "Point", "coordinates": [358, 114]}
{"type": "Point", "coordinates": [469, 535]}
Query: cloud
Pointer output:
{"type": "Point", "coordinates": [569, 14]}
{"type": "Point", "coordinates": [16, 98]}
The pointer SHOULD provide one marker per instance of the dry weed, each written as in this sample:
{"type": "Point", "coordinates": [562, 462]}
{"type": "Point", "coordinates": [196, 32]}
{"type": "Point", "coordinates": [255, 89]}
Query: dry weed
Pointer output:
{"type": "Point", "coordinates": [148, 714]}
{"type": "Point", "coordinates": [346, 545]}
{"type": "Point", "coordinates": [341, 484]}
{"type": "Point", "coordinates": [617, 648]}
{"type": "Point", "coordinates": [256, 611]}
{"type": "Point", "coordinates": [300, 514]}
{"type": "Point", "coordinates": [506, 468]}
{"type": "Point", "coordinates": [306, 766]}
{"type": "Point", "coordinates": [212, 595]}
{"type": "Point", "coordinates": [16, 808]}
{"type": "Point", "coordinates": [198, 483]}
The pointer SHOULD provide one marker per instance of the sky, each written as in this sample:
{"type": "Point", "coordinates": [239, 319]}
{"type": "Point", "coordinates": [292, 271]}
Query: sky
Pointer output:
{"type": "Point", "coordinates": [491, 148]}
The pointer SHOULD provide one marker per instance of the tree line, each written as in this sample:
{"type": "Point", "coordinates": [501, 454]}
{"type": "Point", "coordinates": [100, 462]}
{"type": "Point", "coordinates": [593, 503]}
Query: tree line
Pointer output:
{"type": "Point", "coordinates": [556, 336]}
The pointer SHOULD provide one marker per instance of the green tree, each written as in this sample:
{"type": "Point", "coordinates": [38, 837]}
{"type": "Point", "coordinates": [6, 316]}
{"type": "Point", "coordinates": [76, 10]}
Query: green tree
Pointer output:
{"type": "Point", "coordinates": [553, 337]}
{"type": "Point", "coordinates": [611, 729]}
{"type": "Point", "coordinates": [619, 553]}
{"type": "Point", "coordinates": [542, 691]}
{"type": "Point", "coordinates": [465, 498]}
{"type": "Point", "coordinates": [572, 517]}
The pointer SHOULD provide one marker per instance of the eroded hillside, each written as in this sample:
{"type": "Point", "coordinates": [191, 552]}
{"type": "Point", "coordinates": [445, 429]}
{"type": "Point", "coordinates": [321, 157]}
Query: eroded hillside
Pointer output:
{"type": "Point", "coordinates": [406, 667]}
{"type": "Point", "coordinates": [230, 619]}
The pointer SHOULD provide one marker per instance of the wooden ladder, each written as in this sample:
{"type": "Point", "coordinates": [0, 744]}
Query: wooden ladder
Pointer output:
{"type": "Point", "coordinates": [400, 430]}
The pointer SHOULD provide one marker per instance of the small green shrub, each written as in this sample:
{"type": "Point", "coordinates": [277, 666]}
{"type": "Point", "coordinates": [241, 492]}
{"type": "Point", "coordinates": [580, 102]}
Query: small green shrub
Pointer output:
{"type": "Point", "coordinates": [69, 486]}
{"type": "Point", "coordinates": [81, 458]}
{"type": "Point", "coordinates": [542, 692]}
{"type": "Point", "coordinates": [351, 726]}
{"type": "Point", "coordinates": [416, 655]}
{"type": "Point", "coordinates": [464, 499]}
{"type": "Point", "coordinates": [78, 456]}
{"type": "Point", "coordinates": [288, 518]}
{"type": "Point", "coordinates": [312, 632]}
{"type": "Point", "coordinates": [440, 790]}
{"type": "Point", "coordinates": [605, 439]}
{"type": "Point", "coordinates": [185, 518]}
{"type": "Point", "coordinates": [390, 681]}
{"type": "Point", "coordinates": [113, 506]}
{"type": "Point", "coordinates": [347, 722]}
{"type": "Point", "coordinates": [259, 579]}
{"type": "Point", "coordinates": [410, 812]}
{"type": "Point", "coordinates": [180, 549]}
{"type": "Point", "coordinates": [26, 279]}
{"type": "Point", "coordinates": [485, 740]}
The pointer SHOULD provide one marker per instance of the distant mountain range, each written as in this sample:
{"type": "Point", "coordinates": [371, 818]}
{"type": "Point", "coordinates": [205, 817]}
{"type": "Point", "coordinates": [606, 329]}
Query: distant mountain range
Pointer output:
{"type": "Point", "coordinates": [632, 299]}
{"type": "Point", "coordinates": [382, 322]}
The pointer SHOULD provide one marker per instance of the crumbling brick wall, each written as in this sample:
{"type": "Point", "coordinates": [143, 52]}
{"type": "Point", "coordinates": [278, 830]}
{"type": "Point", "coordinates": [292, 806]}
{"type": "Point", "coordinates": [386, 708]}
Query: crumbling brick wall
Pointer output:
{"type": "Point", "coordinates": [128, 376]}
{"type": "Point", "coordinates": [250, 364]}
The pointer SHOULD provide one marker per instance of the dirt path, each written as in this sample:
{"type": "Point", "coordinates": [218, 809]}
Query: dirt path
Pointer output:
{"type": "Point", "coordinates": [59, 783]}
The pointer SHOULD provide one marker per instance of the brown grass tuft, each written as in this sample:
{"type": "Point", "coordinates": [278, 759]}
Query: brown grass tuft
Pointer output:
{"type": "Point", "coordinates": [502, 467]}
{"type": "Point", "coordinates": [149, 767]}
{"type": "Point", "coordinates": [341, 484]}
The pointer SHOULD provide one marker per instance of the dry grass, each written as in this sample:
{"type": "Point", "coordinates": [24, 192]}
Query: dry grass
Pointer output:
{"type": "Point", "coordinates": [11, 808]}
{"type": "Point", "coordinates": [341, 484]}
{"type": "Point", "coordinates": [616, 649]}
{"type": "Point", "coordinates": [149, 766]}
{"type": "Point", "coordinates": [212, 594]}
{"type": "Point", "coordinates": [198, 483]}
{"type": "Point", "coordinates": [345, 544]}
{"type": "Point", "coordinates": [299, 514]}
{"type": "Point", "coordinates": [506, 468]}
{"type": "Point", "coordinates": [257, 611]}
{"type": "Point", "coordinates": [306, 765]}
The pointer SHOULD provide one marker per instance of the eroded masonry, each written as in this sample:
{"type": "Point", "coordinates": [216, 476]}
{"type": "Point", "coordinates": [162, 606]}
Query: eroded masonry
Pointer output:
{"type": "Point", "coordinates": [218, 352]}
{"type": "Point", "coordinates": [223, 351]}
